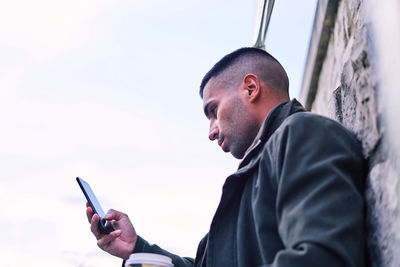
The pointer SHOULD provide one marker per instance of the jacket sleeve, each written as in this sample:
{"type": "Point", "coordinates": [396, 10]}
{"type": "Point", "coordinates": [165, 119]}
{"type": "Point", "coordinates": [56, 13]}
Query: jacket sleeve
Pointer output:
{"type": "Point", "coordinates": [319, 203]}
{"type": "Point", "coordinates": [144, 246]}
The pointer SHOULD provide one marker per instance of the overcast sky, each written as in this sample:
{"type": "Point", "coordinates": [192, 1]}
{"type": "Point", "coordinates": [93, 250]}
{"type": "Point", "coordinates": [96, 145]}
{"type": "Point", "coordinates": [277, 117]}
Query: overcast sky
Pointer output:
{"type": "Point", "coordinates": [108, 91]}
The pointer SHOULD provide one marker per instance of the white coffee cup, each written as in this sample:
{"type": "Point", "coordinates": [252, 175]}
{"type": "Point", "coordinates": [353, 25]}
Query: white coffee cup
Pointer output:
{"type": "Point", "coordinates": [148, 260]}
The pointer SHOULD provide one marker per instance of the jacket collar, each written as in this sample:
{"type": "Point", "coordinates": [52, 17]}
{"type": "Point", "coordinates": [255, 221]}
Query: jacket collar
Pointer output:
{"type": "Point", "coordinates": [274, 119]}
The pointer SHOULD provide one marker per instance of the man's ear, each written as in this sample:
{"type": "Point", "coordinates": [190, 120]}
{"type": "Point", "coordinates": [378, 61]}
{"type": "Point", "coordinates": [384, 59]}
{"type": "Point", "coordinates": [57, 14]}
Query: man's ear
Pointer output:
{"type": "Point", "coordinates": [252, 86]}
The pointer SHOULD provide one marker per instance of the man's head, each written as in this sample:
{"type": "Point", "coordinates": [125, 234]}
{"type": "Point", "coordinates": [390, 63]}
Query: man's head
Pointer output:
{"type": "Point", "coordinates": [238, 93]}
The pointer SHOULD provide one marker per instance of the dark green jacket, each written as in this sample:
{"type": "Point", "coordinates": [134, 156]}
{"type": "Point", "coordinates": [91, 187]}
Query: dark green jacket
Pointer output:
{"type": "Point", "coordinates": [296, 199]}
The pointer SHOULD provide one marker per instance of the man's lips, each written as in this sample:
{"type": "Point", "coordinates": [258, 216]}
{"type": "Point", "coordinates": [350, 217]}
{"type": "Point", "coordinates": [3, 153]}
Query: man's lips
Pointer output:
{"type": "Point", "coordinates": [222, 144]}
{"type": "Point", "coordinates": [220, 141]}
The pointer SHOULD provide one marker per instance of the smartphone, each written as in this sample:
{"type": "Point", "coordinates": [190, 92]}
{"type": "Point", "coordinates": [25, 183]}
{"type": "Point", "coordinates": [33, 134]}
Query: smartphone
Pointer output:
{"type": "Point", "coordinates": [104, 226]}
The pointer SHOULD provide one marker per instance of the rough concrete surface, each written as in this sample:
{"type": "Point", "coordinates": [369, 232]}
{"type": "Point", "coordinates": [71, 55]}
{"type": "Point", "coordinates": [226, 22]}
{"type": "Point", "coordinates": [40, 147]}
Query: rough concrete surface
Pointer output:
{"type": "Point", "coordinates": [347, 87]}
{"type": "Point", "coordinates": [381, 193]}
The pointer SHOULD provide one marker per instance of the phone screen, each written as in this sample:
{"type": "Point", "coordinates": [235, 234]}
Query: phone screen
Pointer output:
{"type": "Point", "coordinates": [95, 205]}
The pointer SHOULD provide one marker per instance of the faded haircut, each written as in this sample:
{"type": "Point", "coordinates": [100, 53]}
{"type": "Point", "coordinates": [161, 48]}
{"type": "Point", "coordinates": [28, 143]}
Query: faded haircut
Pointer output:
{"type": "Point", "coordinates": [232, 68]}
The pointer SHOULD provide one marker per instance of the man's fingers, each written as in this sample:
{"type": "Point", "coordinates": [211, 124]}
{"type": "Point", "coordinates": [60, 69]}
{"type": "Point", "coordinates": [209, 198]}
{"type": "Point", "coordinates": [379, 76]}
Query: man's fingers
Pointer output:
{"type": "Point", "coordinates": [104, 242]}
{"type": "Point", "coordinates": [94, 226]}
{"type": "Point", "coordinates": [114, 215]}
{"type": "Point", "coordinates": [89, 213]}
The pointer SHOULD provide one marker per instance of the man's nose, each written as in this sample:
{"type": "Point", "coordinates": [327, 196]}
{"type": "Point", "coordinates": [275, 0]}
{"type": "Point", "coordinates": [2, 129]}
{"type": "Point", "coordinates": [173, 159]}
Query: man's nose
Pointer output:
{"type": "Point", "coordinates": [213, 133]}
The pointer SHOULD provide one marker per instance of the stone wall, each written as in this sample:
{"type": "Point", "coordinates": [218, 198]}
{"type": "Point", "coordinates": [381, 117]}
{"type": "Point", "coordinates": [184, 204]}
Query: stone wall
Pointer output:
{"type": "Point", "coordinates": [342, 80]}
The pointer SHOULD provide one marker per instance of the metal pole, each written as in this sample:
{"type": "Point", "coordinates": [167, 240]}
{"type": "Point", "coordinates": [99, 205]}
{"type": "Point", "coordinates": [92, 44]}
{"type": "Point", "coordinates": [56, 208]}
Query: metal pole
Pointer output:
{"type": "Point", "coordinates": [264, 11]}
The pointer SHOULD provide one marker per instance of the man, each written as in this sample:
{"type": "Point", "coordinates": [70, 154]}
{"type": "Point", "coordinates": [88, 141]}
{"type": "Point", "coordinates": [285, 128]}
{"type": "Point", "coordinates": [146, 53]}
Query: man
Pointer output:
{"type": "Point", "coordinates": [296, 198]}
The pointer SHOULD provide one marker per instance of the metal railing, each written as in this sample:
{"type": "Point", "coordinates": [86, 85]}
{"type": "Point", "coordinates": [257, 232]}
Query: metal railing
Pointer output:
{"type": "Point", "coordinates": [264, 11]}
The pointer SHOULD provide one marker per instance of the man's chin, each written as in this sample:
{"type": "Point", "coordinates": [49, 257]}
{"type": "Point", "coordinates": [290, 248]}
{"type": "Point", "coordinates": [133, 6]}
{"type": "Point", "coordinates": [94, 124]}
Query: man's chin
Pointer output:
{"type": "Point", "coordinates": [237, 154]}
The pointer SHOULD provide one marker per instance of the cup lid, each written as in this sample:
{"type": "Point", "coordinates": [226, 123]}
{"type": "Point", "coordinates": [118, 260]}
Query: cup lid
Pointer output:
{"type": "Point", "coordinates": [149, 258]}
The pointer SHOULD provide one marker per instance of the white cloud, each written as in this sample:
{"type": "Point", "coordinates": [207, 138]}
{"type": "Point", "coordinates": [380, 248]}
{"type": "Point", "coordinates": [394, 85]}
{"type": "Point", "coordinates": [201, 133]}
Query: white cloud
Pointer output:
{"type": "Point", "coordinates": [45, 231]}
{"type": "Point", "coordinates": [9, 79]}
{"type": "Point", "coordinates": [43, 28]}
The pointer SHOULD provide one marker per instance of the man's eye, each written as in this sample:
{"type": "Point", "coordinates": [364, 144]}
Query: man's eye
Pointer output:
{"type": "Point", "coordinates": [213, 112]}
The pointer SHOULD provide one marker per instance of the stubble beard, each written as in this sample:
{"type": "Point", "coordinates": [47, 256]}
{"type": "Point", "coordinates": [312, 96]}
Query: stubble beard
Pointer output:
{"type": "Point", "coordinates": [244, 129]}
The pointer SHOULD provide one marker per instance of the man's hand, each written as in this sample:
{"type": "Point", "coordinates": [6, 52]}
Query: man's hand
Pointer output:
{"type": "Point", "coordinates": [120, 242]}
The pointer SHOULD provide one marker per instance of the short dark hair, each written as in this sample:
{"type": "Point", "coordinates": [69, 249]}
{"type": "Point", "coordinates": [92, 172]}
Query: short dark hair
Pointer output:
{"type": "Point", "coordinates": [232, 58]}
